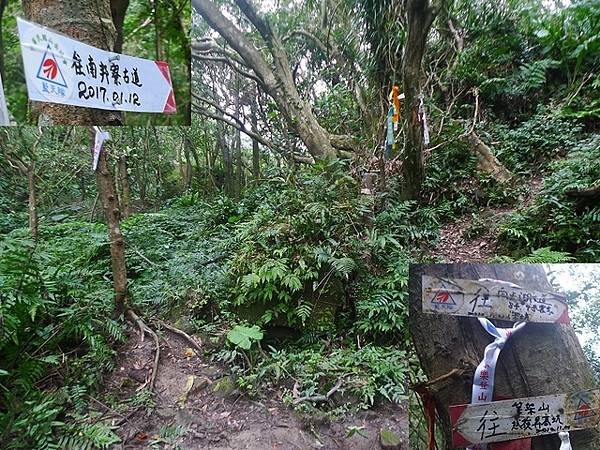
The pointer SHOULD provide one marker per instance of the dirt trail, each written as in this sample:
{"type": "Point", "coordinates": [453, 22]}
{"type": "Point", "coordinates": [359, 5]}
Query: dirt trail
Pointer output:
{"type": "Point", "coordinates": [459, 241]}
{"type": "Point", "coordinates": [455, 245]}
{"type": "Point", "coordinates": [216, 416]}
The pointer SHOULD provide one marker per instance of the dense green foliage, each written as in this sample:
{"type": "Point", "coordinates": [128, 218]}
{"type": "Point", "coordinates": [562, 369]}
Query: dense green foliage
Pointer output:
{"type": "Point", "coordinates": [56, 337]}
{"type": "Point", "coordinates": [557, 219]}
{"type": "Point", "coordinates": [210, 261]}
{"type": "Point", "coordinates": [296, 280]}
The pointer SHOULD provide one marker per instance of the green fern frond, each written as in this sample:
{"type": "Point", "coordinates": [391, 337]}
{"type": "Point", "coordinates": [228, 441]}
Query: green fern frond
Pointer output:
{"type": "Point", "coordinates": [546, 255]}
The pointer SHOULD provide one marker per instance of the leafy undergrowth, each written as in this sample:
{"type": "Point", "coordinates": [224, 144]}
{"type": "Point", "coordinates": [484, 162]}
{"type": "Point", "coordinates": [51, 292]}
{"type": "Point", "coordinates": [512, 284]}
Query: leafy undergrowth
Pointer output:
{"type": "Point", "coordinates": [312, 258]}
{"type": "Point", "coordinates": [514, 221]}
{"type": "Point", "coordinates": [56, 336]}
{"type": "Point", "coordinates": [559, 221]}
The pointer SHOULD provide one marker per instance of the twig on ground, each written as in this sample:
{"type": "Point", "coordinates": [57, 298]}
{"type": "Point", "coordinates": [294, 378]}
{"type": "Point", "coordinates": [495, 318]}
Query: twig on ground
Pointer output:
{"type": "Point", "coordinates": [94, 207]}
{"type": "Point", "coordinates": [104, 405]}
{"type": "Point", "coordinates": [320, 398]}
{"type": "Point", "coordinates": [137, 252]}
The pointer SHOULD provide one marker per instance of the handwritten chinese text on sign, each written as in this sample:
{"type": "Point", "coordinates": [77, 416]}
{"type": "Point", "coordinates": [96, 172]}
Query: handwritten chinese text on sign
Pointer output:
{"type": "Point", "coordinates": [524, 417]}
{"type": "Point", "coordinates": [59, 69]}
{"type": "Point", "coordinates": [492, 299]}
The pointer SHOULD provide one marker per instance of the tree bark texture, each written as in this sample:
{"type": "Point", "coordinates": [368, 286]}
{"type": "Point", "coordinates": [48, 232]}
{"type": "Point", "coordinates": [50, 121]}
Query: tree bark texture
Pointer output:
{"type": "Point", "coordinates": [3, 4]}
{"type": "Point", "coordinates": [419, 18]}
{"type": "Point", "coordinates": [110, 203]}
{"type": "Point", "coordinates": [88, 21]}
{"type": "Point", "coordinates": [125, 186]}
{"type": "Point", "coordinates": [541, 359]}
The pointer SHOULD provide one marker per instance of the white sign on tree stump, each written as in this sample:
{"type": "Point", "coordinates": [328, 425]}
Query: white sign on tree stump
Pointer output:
{"type": "Point", "coordinates": [59, 69]}
{"type": "Point", "coordinates": [492, 299]}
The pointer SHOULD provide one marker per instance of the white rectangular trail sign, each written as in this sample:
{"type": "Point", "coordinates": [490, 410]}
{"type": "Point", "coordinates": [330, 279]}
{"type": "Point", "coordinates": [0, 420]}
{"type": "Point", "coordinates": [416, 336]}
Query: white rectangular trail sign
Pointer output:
{"type": "Point", "coordinates": [524, 417]}
{"type": "Point", "coordinates": [492, 299]}
{"type": "Point", "coordinates": [59, 69]}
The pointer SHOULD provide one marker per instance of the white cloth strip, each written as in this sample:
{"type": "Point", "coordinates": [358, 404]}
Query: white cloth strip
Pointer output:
{"type": "Point", "coordinates": [4, 118]}
{"type": "Point", "coordinates": [101, 136]}
{"type": "Point", "coordinates": [565, 442]}
{"type": "Point", "coordinates": [483, 380]}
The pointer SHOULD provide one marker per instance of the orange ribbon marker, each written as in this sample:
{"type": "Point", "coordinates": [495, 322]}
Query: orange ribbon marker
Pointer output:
{"type": "Point", "coordinates": [396, 102]}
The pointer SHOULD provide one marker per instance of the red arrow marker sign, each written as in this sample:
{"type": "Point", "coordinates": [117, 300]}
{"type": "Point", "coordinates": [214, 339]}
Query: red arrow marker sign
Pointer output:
{"type": "Point", "coordinates": [492, 299]}
{"type": "Point", "coordinates": [524, 417]}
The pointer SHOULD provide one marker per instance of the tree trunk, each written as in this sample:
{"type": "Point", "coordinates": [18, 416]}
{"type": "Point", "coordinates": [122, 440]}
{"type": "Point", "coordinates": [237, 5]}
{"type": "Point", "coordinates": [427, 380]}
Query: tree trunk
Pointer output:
{"type": "Point", "coordinates": [541, 359]}
{"type": "Point", "coordinates": [157, 34]}
{"type": "Point", "coordinates": [227, 160]}
{"type": "Point", "coordinates": [89, 22]}
{"type": "Point", "coordinates": [180, 165]}
{"type": "Point", "coordinates": [118, 8]}
{"type": "Point", "coordinates": [110, 203]}
{"type": "Point", "coordinates": [32, 204]}
{"type": "Point", "coordinates": [487, 162]}
{"type": "Point", "coordinates": [2, 8]}
{"type": "Point", "coordinates": [188, 168]}
{"type": "Point", "coordinates": [237, 142]}
{"type": "Point", "coordinates": [419, 18]}
{"type": "Point", "coordinates": [275, 79]}
{"type": "Point", "coordinates": [194, 151]}
{"type": "Point", "coordinates": [125, 186]}
{"type": "Point", "coordinates": [255, 148]}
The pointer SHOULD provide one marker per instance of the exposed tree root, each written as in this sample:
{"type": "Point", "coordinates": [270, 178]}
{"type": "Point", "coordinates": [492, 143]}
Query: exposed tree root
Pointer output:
{"type": "Point", "coordinates": [183, 334]}
{"type": "Point", "coordinates": [143, 330]}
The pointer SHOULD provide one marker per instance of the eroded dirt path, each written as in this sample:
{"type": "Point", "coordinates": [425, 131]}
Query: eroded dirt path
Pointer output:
{"type": "Point", "coordinates": [456, 245]}
{"type": "Point", "coordinates": [198, 407]}
{"type": "Point", "coordinates": [474, 236]}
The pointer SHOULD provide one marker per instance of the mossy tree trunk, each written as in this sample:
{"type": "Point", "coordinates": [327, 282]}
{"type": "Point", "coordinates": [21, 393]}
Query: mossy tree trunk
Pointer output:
{"type": "Point", "coordinates": [420, 16]}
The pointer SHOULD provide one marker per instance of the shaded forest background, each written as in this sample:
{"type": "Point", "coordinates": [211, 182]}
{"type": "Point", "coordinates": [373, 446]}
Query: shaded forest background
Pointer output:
{"type": "Point", "coordinates": [290, 256]}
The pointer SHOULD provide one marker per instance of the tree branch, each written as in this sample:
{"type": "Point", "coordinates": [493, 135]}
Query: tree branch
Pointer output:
{"type": "Point", "coordinates": [280, 58]}
{"type": "Point", "coordinates": [229, 120]}
{"type": "Point", "coordinates": [251, 134]}
{"type": "Point", "coordinates": [236, 39]}
{"type": "Point", "coordinates": [229, 62]}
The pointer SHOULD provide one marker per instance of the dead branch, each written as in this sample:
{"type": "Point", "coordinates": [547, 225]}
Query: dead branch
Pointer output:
{"type": "Point", "coordinates": [229, 62]}
{"type": "Point", "coordinates": [137, 252]}
{"type": "Point", "coordinates": [233, 124]}
{"type": "Point", "coordinates": [321, 398]}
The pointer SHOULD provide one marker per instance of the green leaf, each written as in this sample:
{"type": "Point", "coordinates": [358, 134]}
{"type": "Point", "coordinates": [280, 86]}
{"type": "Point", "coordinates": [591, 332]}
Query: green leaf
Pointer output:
{"type": "Point", "coordinates": [244, 336]}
